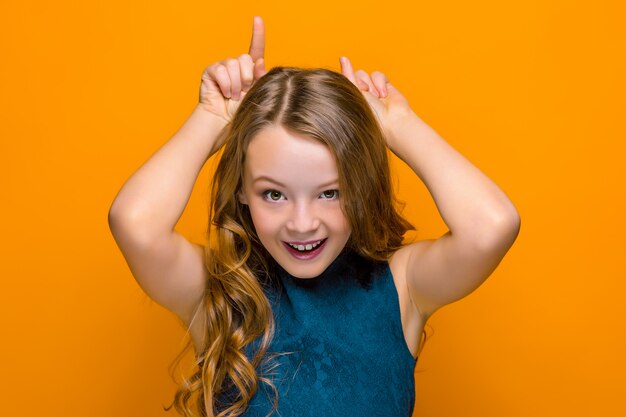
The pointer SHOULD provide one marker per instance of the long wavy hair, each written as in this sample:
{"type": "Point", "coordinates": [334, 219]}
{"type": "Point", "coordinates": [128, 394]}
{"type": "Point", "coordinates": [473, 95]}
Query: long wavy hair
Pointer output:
{"type": "Point", "coordinates": [316, 103]}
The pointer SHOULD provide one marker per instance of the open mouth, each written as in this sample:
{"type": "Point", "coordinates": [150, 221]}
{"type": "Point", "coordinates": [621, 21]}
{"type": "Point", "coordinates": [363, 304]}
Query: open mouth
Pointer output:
{"type": "Point", "coordinates": [305, 250]}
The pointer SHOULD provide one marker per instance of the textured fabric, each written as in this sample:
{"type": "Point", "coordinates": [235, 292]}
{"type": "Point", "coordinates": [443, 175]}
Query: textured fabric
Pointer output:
{"type": "Point", "coordinates": [345, 349]}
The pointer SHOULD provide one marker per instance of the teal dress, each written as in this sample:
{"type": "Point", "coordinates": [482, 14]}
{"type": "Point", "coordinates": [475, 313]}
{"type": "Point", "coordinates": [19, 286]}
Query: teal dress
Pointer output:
{"type": "Point", "coordinates": [345, 349]}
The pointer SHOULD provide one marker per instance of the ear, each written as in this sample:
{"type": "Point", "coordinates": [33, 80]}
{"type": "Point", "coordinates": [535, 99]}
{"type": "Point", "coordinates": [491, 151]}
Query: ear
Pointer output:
{"type": "Point", "coordinates": [242, 197]}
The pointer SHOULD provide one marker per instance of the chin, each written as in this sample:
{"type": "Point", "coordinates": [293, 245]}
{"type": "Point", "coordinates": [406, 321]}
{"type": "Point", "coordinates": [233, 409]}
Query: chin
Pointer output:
{"type": "Point", "coordinates": [305, 272]}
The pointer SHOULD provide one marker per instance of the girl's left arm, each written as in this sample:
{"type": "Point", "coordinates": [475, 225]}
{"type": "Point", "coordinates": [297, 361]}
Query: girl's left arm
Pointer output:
{"type": "Point", "coordinates": [483, 221]}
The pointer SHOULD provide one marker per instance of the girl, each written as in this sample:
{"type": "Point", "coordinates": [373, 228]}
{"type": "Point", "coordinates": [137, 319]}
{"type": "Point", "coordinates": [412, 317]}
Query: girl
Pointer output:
{"type": "Point", "coordinates": [306, 302]}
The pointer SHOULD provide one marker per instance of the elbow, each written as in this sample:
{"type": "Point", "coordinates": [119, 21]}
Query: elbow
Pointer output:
{"type": "Point", "coordinates": [117, 221]}
{"type": "Point", "coordinates": [131, 223]}
{"type": "Point", "coordinates": [116, 216]}
{"type": "Point", "coordinates": [493, 230]}
{"type": "Point", "coordinates": [122, 220]}
{"type": "Point", "coordinates": [504, 232]}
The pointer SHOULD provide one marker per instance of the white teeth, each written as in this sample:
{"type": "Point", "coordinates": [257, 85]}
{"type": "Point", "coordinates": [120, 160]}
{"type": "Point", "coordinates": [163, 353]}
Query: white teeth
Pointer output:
{"type": "Point", "coordinates": [308, 246]}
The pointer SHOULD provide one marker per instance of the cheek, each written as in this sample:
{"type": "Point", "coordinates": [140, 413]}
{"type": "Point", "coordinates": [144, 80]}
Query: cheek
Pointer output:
{"type": "Point", "coordinates": [265, 221]}
{"type": "Point", "coordinates": [340, 222]}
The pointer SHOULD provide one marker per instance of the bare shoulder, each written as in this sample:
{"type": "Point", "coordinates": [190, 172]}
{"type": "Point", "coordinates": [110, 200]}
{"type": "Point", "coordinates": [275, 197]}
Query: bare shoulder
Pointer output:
{"type": "Point", "coordinates": [413, 321]}
{"type": "Point", "coordinates": [398, 263]}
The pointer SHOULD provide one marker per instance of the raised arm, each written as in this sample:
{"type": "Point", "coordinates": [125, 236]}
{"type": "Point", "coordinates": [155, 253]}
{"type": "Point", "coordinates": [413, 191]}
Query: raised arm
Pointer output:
{"type": "Point", "coordinates": [145, 211]}
{"type": "Point", "coordinates": [483, 222]}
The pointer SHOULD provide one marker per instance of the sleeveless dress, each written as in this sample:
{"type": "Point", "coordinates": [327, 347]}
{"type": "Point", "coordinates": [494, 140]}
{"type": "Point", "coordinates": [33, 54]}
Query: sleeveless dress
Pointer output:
{"type": "Point", "coordinates": [342, 344]}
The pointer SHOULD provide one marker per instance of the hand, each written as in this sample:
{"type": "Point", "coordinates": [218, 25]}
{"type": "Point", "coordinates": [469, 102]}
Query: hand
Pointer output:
{"type": "Point", "coordinates": [389, 105]}
{"type": "Point", "coordinates": [226, 82]}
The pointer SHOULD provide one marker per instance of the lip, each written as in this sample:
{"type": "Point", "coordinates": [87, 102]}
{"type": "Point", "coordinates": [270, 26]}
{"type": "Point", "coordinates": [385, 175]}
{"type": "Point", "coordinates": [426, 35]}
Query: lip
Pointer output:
{"type": "Point", "coordinates": [306, 256]}
{"type": "Point", "coordinates": [308, 242]}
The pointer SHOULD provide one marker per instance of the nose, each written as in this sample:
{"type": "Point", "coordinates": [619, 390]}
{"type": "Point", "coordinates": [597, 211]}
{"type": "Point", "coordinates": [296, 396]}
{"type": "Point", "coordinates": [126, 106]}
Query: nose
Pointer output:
{"type": "Point", "coordinates": [303, 219]}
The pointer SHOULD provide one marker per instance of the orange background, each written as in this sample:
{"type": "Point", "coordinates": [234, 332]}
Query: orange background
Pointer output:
{"type": "Point", "coordinates": [532, 92]}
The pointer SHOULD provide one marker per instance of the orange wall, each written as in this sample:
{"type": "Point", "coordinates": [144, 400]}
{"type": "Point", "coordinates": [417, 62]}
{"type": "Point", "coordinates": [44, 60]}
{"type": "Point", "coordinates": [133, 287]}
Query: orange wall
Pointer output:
{"type": "Point", "coordinates": [532, 92]}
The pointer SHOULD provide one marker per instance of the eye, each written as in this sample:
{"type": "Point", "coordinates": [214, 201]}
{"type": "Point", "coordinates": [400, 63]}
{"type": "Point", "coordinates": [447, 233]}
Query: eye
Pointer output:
{"type": "Point", "coordinates": [330, 194]}
{"type": "Point", "coordinates": [273, 195]}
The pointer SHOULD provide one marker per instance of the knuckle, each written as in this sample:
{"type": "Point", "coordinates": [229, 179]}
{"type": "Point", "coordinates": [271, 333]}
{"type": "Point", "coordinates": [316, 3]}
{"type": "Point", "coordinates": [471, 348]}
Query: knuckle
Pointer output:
{"type": "Point", "coordinates": [231, 63]}
{"type": "Point", "coordinates": [364, 77]}
{"type": "Point", "coordinates": [245, 57]}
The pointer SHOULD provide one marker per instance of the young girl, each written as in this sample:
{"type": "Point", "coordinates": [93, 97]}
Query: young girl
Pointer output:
{"type": "Point", "coordinates": [306, 302]}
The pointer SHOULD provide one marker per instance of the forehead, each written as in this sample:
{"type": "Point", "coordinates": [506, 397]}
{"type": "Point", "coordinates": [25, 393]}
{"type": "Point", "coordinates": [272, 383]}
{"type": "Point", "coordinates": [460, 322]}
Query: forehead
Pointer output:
{"type": "Point", "coordinates": [289, 158]}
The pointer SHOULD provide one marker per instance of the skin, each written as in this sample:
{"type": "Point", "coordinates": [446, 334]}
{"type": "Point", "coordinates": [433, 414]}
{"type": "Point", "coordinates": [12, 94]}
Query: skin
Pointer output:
{"type": "Point", "coordinates": [429, 274]}
{"type": "Point", "coordinates": [291, 187]}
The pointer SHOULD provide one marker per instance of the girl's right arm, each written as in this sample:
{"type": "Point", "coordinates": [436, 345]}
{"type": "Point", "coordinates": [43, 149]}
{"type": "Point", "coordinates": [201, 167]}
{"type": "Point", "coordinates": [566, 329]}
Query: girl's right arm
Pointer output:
{"type": "Point", "coordinates": [145, 211]}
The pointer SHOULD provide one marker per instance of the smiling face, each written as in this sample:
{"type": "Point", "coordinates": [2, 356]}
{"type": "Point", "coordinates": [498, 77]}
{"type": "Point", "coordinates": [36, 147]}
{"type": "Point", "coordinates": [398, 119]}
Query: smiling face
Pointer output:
{"type": "Point", "coordinates": [291, 186]}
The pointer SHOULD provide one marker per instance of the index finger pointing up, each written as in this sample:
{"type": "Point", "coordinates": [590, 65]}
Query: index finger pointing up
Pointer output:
{"type": "Point", "coordinates": [257, 44]}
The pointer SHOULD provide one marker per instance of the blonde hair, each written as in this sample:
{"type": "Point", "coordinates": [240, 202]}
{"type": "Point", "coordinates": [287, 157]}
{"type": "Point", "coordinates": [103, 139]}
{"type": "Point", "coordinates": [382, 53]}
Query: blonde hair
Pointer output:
{"type": "Point", "coordinates": [316, 103]}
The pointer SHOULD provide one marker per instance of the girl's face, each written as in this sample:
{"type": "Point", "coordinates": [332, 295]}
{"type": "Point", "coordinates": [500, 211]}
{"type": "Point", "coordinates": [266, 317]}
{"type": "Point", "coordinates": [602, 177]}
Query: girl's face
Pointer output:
{"type": "Point", "coordinates": [291, 187]}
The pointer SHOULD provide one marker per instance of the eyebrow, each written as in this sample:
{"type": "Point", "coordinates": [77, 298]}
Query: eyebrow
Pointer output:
{"type": "Point", "coordinates": [269, 179]}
